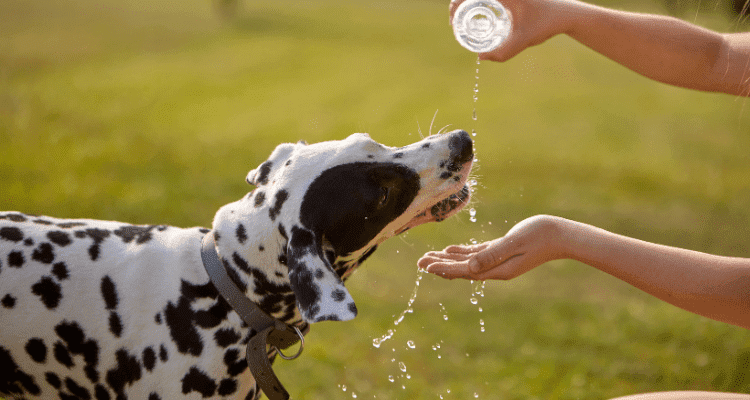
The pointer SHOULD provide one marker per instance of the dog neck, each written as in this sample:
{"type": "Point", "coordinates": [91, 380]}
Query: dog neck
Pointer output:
{"type": "Point", "coordinates": [253, 250]}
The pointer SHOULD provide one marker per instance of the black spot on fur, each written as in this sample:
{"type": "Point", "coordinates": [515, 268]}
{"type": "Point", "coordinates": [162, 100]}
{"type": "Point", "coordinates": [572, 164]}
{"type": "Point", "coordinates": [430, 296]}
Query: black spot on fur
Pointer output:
{"type": "Point", "coordinates": [76, 343]}
{"type": "Point", "coordinates": [279, 200]}
{"type": "Point", "coordinates": [127, 371]}
{"type": "Point", "coordinates": [43, 254]}
{"type": "Point", "coordinates": [445, 175]}
{"type": "Point", "coordinates": [260, 197]}
{"type": "Point", "coordinates": [149, 358]}
{"type": "Point", "coordinates": [426, 146]}
{"type": "Point", "coordinates": [241, 234]}
{"type": "Point", "coordinates": [79, 391]}
{"type": "Point", "coordinates": [214, 315]}
{"type": "Point", "coordinates": [98, 235]}
{"type": "Point", "coordinates": [49, 291]}
{"type": "Point", "coordinates": [301, 238]}
{"type": "Point", "coordinates": [338, 295]}
{"type": "Point", "coordinates": [14, 217]}
{"type": "Point", "coordinates": [263, 172]}
{"type": "Point", "coordinates": [343, 204]}
{"type": "Point", "coordinates": [226, 336]}
{"type": "Point", "coordinates": [283, 259]}
{"type": "Point", "coordinates": [319, 274]}
{"type": "Point", "coordinates": [115, 324]}
{"type": "Point", "coordinates": [227, 387]}
{"type": "Point", "coordinates": [204, 230]}
{"type": "Point", "coordinates": [13, 380]}
{"type": "Point", "coordinates": [59, 238]}
{"type": "Point", "coordinates": [153, 396]}
{"type": "Point", "coordinates": [53, 379]}
{"type": "Point", "coordinates": [353, 308]}
{"type": "Point", "coordinates": [62, 355]}
{"type": "Point", "coordinates": [179, 319]}
{"type": "Point", "coordinates": [37, 350]}
{"type": "Point", "coordinates": [235, 277]}
{"type": "Point", "coordinates": [157, 318]}
{"type": "Point", "coordinates": [329, 317]}
{"type": "Point", "coordinates": [11, 234]}
{"type": "Point", "coordinates": [398, 155]}
{"type": "Point", "coordinates": [261, 248]}
{"type": "Point", "coordinates": [109, 293]}
{"type": "Point", "coordinates": [8, 301]}
{"type": "Point", "coordinates": [197, 381]}
{"type": "Point", "coordinates": [235, 364]}
{"type": "Point", "coordinates": [370, 156]}
{"type": "Point", "coordinates": [60, 270]}
{"type": "Point", "coordinates": [28, 242]}
{"type": "Point", "coordinates": [101, 392]}
{"type": "Point", "coordinates": [240, 262]}
{"type": "Point", "coordinates": [141, 234]}
{"type": "Point", "coordinates": [16, 259]}
{"type": "Point", "coordinates": [309, 295]}
{"type": "Point", "coordinates": [163, 356]}
{"type": "Point", "coordinates": [68, 225]}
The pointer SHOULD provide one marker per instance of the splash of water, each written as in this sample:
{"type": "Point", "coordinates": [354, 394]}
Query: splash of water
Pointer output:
{"type": "Point", "coordinates": [377, 342]}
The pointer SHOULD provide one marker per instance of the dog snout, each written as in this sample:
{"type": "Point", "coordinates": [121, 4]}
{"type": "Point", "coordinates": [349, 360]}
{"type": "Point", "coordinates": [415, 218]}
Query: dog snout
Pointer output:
{"type": "Point", "coordinates": [461, 147]}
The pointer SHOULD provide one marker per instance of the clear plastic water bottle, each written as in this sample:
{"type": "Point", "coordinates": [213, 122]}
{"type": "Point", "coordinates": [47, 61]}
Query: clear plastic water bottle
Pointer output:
{"type": "Point", "coordinates": [481, 25]}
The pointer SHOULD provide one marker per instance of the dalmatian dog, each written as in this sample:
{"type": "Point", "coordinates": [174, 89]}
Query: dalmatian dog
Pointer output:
{"type": "Point", "coordinates": [106, 310]}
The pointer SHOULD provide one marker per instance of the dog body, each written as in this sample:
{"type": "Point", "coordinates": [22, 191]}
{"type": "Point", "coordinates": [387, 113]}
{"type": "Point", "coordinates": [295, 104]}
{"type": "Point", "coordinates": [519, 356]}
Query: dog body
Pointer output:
{"type": "Point", "coordinates": [106, 310]}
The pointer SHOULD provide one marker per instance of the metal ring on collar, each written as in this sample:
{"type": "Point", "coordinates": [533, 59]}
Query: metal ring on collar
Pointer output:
{"type": "Point", "coordinates": [301, 346]}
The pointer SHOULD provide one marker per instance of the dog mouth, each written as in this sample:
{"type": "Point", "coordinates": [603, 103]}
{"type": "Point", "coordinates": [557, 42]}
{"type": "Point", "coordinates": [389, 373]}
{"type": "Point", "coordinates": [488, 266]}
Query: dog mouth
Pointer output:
{"type": "Point", "coordinates": [445, 208]}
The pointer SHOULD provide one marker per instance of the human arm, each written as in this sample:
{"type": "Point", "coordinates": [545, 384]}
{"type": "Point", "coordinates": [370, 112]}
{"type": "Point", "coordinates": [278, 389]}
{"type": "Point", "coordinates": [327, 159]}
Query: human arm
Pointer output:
{"type": "Point", "coordinates": [716, 287]}
{"type": "Point", "coordinates": [661, 48]}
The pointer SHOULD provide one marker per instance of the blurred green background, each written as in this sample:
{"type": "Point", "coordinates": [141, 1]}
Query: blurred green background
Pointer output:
{"type": "Point", "coordinates": [153, 111]}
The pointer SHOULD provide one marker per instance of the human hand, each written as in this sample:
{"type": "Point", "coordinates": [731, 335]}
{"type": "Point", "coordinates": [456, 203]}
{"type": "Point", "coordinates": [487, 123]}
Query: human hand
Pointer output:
{"type": "Point", "coordinates": [534, 21]}
{"type": "Point", "coordinates": [528, 244]}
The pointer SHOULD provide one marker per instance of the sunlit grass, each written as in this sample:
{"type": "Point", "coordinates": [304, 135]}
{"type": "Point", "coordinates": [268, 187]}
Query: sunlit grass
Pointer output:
{"type": "Point", "coordinates": [153, 112]}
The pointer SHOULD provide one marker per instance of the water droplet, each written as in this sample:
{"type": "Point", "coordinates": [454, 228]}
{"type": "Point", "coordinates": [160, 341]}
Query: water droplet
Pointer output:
{"type": "Point", "coordinates": [354, 395]}
{"type": "Point", "coordinates": [473, 300]}
{"type": "Point", "coordinates": [474, 114]}
{"type": "Point", "coordinates": [410, 344]}
{"type": "Point", "coordinates": [445, 317]}
{"type": "Point", "coordinates": [448, 390]}
{"type": "Point", "coordinates": [343, 387]}
{"type": "Point", "coordinates": [401, 366]}
{"type": "Point", "coordinates": [481, 329]}
{"type": "Point", "coordinates": [481, 322]}
{"type": "Point", "coordinates": [480, 309]}
{"type": "Point", "coordinates": [433, 347]}
{"type": "Point", "coordinates": [476, 395]}
{"type": "Point", "coordinates": [439, 356]}
{"type": "Point", "coordinates": [391, 378]}
{"type": "Point", "coordinates": [408, 376]}
{"type": "Point", "coordinates": [473, 132]}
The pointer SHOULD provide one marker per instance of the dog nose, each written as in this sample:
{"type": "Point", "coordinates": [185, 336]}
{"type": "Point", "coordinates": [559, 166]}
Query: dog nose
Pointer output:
{"type": "Point", "coordinates": [461, 147]}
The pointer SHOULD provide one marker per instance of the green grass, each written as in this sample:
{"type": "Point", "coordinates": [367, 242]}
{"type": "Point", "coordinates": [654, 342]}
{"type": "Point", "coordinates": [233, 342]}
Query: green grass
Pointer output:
{"type": "Point", "coordinates": [154, 111]}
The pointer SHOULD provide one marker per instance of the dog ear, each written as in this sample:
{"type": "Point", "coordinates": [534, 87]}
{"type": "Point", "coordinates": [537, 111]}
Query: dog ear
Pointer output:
{"type": "Point", "coordinates": [320, 293]}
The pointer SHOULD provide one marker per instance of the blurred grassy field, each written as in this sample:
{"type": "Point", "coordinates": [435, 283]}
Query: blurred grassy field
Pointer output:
{"type": "Point", "coordinates": [154, 111]}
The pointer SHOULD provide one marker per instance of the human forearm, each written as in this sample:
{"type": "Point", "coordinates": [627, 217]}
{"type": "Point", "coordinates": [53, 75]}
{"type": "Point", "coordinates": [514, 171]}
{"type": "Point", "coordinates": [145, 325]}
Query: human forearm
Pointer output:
{"type": "Point", "coordinates": [713, 286]}
{"type": "Point", "coordinates": [662, 48]}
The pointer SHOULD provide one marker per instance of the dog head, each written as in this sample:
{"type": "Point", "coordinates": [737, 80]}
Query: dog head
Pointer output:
{"type": "Point", "coordinates": [332, 203]}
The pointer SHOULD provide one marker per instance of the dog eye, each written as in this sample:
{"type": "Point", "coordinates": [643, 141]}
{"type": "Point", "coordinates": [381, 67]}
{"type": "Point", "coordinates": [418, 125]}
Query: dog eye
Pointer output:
{"type": "Point", "coordinates": [384, 195]}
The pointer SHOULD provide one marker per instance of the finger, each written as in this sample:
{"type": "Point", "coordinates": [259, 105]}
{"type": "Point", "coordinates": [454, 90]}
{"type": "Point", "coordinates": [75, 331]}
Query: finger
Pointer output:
{"type": "Point", "coordinates": [449, 270]}
{"type": "Point", "coordinates": [466, 249]}
{"type": "Point", "coordinates": [452, 9]}
{"type": "Point", "coordinates": [427, 260]}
